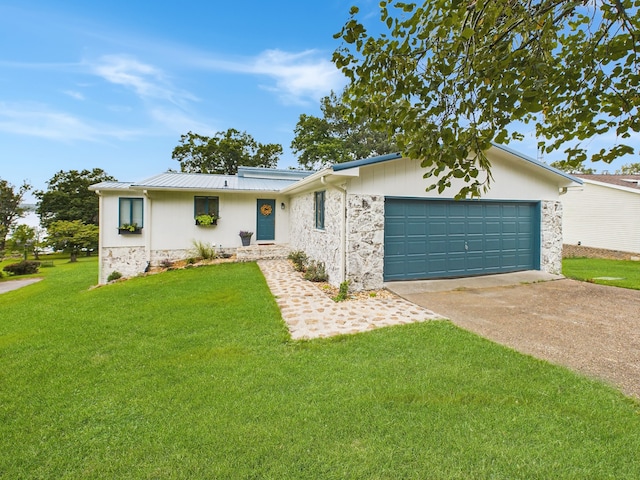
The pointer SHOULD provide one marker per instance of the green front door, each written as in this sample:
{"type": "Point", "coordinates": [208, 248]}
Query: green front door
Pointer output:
{"type": "Point", "coordinates": [266, 224]}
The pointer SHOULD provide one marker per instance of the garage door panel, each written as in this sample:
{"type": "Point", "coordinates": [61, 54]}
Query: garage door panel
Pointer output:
{"type": "Point", "coordinates": [415, 247]}
{"type": "Point", "coordinates": [416, 228]}
{"type": "Point", "coordinates": [437, 228]}
{"type": "Point", "coordinates": [456, 246]}
{"type": "Point", "coordinates": [432, 238]}
{"type": "Point", "coordinates": [456, 227]}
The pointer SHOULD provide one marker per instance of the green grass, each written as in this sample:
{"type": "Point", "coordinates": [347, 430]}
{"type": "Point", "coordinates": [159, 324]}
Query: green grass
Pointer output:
{"type": "Point", "coordinates": [56, 258]}
{"type": "Point", "coordinates": [192, 374]}
{"type": "Point", "coordinates": [589, 269]}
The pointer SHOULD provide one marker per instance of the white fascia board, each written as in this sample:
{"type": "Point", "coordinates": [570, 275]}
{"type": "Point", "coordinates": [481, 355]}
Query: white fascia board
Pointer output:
{"type": "Point", "coordinates": [351, 172]}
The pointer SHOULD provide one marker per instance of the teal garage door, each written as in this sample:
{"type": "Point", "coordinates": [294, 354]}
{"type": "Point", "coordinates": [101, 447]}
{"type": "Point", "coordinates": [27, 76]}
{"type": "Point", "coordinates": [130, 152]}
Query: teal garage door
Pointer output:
{"type": "Point", "coordinates": [446, 238]}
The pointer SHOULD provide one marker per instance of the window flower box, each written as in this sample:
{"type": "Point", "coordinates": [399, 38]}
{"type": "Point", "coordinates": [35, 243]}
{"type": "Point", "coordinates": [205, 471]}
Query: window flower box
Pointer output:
{"type": "Point", "coordinates": [127, 229]}
{"type": "Point", "coordinates": [205, 220]}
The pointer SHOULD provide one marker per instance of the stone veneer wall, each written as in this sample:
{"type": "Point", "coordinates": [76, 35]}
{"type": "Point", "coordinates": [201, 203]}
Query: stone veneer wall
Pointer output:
{"type": "Point", "coordinates": [551, 237]}
{"type": "Point", "coordinates": [365, 241]}
{"type": "Point", "coordinates": [320, 245]}
{"type": "Point", "coordinates": [129, 261]}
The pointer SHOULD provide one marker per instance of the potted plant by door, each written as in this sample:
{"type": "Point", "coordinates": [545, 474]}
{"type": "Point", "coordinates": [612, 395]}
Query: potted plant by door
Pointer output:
{"type": "Point", "coordinates": [245, 237]}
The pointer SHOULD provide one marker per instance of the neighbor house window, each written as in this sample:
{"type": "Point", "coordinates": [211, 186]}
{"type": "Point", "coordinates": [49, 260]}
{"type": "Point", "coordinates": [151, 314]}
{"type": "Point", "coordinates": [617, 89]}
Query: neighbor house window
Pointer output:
{"type": "Point", "coordinates": [131, 212]}
{"type": "Point", "coordinates": [319, 209]}
{"type": "Point", "coordinates": [205, 206]}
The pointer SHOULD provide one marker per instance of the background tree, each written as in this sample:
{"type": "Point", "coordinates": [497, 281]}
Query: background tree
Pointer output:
{"type": "Point", "coordinates": [10, 209]}
{"type": "Point", "coordinates": [449, 77]}
{"type": "Point", "coordinates": [629, 169]}
{"type": "Point", "coordinates": [72, 236]}
{"type": "Point", "coordinates": [68, 197]}
{"type": "Point", "coordinates": [336, 137]}
{"type": "Point", "coordinates": [224, 152]}
{"type": "Point", "coordinates": [569, 167]}
{"type": "Point", "coordinates": [23, 239]}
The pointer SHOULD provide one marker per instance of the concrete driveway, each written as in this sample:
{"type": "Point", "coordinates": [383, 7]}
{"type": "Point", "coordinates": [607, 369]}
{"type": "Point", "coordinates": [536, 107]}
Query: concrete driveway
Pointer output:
{"type": "Point", "coordinates": [10, 285]}
{"type": "Point", "coordinates": [590, 328]}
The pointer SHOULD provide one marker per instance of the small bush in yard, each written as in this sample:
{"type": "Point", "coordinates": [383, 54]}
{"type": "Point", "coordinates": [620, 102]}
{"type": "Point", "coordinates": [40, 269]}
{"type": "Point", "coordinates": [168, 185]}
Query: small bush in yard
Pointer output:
{"type": "Point", "coordinates": [25, 267]}
{"type": "Point", "coordinates": [316, 272]}
{"type": "Point", "coordinates": [299, 259]}
{"type": "Point", "coordinates": [204, 250]}
{"type": "Point", "coordinates": [343, 293]}
{"type": "Point", "coordinates": [115, 275]}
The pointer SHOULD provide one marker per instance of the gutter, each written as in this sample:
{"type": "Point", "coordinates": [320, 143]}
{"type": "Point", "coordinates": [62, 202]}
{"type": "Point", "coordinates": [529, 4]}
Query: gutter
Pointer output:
{"type": "Point", "coordinates": [100, 234]}
{"type": "Point", "coordinates": [147, 234]}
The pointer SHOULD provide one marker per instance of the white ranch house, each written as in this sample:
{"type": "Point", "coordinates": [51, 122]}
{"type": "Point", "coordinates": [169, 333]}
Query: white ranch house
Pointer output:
{"type": "Point", "coordinates": [370, 221]}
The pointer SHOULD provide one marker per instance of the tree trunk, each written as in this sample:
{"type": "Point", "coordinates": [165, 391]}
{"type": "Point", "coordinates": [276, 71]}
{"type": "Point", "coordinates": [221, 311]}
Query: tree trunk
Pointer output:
{"type": "Point", "coordinates": [74, 257]}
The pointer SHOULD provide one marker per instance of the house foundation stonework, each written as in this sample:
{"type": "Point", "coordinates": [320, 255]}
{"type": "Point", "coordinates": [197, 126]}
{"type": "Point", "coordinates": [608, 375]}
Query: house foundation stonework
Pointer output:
{"type": "Point", "coordinates": [365, 242]}
{"type": "Point", "coordinates": [551, 237]}
{"type": "Point", "coordinates": [129, 261]}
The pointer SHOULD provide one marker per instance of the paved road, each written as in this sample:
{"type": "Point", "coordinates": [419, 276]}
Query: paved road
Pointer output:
{"type": "Point", "coordinates": [590, 328]}
{"type": "Point", "coordinates": [15, 284]}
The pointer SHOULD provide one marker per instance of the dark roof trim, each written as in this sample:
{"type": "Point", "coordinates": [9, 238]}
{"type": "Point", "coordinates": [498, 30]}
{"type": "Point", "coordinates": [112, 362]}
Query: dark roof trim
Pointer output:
{"type": "Point", "coordinates": [365, 161]}
{"type": "Point", "coordinates": [394, 156]}
{"type": "Point", "coordinates": [537, 163]}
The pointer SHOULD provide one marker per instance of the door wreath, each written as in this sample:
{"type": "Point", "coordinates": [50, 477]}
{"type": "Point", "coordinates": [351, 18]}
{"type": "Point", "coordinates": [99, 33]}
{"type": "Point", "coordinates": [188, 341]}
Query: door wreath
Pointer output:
{"type": "Point", "coordinates": [266, 209]}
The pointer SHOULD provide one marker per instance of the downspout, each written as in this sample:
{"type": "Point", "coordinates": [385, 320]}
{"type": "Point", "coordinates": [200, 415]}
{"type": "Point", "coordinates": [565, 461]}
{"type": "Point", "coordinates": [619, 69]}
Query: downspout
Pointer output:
{"type": "Point", "coordinates": [147, 243]}
{"type": "Point", "coordinates": [100, 235]}
{"type": "Point", "coordinates": [343, 232]}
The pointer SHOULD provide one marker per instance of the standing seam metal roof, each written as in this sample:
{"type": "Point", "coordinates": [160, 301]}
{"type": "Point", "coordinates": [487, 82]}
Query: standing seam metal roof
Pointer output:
{"type": "Point", "coordinates": [199, 181]}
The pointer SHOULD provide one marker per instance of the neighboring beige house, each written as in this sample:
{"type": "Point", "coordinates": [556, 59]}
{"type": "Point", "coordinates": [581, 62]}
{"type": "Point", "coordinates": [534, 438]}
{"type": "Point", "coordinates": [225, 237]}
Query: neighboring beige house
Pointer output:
{"type": "Point", "coordinates": [370, 221]}
{"type": "Point", "coordinates": [604, 213]}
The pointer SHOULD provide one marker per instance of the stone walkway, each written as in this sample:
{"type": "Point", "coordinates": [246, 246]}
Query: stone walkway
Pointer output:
{"type": "Point", "coordinates": [310, 313]}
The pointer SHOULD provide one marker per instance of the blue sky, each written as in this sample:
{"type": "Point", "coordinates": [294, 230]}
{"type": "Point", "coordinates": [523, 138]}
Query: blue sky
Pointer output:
{"type": "Point", "coordinates": [114, 84]}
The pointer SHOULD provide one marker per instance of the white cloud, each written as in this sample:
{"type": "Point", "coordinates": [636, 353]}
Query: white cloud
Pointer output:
{"type": "Point", "coordinates": [74, 94]}
{"type": "Point", "coordinates": [147, 81]}
{"type": "Point", "coordinates": [37, 121]}
{"type": "Point", "coordinates": [176, 121]}
{"type": "Point", "coordinates": [298, 77]}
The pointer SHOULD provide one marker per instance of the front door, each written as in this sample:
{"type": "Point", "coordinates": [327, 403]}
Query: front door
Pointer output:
{"type": "Point", "coordinates": [266, 225]}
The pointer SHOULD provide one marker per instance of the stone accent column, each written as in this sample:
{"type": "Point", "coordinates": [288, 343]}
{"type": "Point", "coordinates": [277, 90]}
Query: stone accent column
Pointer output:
{"type": "Point", "coordinates": [551, 237]}
{"type": "Point", "coordinates": [365, 241]}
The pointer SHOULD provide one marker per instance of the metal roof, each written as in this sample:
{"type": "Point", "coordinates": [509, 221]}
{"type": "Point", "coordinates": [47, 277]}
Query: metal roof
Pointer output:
{"type": "Point", "coordinates": [110, 186]}
{"type": "Point", "coordinates": [247, 179]}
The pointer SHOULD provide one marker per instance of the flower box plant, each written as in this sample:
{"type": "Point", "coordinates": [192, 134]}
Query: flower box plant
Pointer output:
{"type": "Point", "coordinates": [206, 220]}
{"type": "Point", "coordinates": [129, 228]}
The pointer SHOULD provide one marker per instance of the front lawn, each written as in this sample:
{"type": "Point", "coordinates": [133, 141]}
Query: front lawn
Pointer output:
{"type": "Point", "coordinates": [191, 374]}
{"type": "Point", "coordinates": [616, 273]}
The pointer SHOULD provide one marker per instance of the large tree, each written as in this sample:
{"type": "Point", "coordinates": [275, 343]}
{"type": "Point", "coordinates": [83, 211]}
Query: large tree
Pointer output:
{"type": "Point", "coordinates": [68, 197]}
{"type": "Point", "coordinates": [73, 236]}
{"type": "Point", "coordinates": [448, 77]}
{"type": "Point", "coordinates": [336, 137]}
{"type": "Point", "coordinates": [224, 152]}
{"type": "Point", "coordinates": [10, 208]}
{"type": "Point", "coordinates": [23, 239]}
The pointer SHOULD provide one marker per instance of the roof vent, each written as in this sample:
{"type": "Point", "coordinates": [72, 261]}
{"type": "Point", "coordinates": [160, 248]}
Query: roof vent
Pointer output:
{"type": "Point", "coordinates": [631, 180]}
